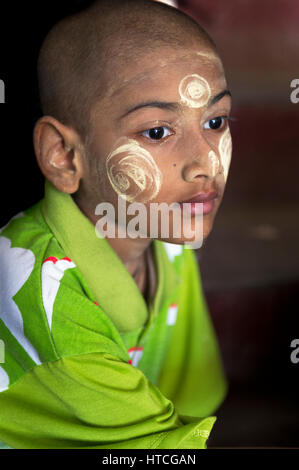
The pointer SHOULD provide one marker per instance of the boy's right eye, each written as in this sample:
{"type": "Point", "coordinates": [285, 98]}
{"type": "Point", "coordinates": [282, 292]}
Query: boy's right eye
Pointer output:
{"type": "Point", "coordinates": [156, 133]}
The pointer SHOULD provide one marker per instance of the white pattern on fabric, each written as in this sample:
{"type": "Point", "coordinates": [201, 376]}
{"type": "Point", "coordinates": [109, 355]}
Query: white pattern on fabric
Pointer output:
{"type": "Point", "coordinates": [172, 314]}
{"type": "Point", "coordinates": [16, 266]}
{"type": "Point", "coordinates": [52, 273]}
{"type": "Point", "coordinates": [135, 355]}
{"type": "Point", "coordinates": [4, 380]}
{"type": "Point", "coordinates": [173, 250]}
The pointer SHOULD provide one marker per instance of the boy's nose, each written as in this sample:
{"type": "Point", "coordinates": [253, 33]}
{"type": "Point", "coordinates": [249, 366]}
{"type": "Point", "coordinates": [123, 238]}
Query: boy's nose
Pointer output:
{"type": "Point", "coordinates": [204, 164]}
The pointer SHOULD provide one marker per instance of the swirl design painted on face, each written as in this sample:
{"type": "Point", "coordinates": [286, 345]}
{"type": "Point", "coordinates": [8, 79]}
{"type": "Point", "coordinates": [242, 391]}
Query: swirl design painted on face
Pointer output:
{"type": "Point", "coordinates": [225, 150]}
{"type": "Point", "coordinates": [214, 160]}
{"type": "Point", "coordinates": [133, 172]}
{"type": "Point", "coordinates": [194, 91]}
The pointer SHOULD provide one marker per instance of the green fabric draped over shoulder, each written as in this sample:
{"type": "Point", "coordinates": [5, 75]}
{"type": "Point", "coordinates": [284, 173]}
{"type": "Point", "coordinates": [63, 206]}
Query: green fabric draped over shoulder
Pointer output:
{"type": "Point", "coordinates": [88, 363]}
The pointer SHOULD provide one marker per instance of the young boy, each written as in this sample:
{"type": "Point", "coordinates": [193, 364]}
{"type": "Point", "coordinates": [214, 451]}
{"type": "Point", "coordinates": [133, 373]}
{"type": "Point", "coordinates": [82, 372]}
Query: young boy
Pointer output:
{"type": "Point", "coordinates": [108, 343]}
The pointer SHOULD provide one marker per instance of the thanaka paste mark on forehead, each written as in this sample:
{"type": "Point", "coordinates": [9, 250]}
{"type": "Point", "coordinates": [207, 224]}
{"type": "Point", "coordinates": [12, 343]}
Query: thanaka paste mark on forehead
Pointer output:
{"type": "Point", "coordinates": [209, 55]}
{"type": "Point", "coordinates": [135, 175]}
{"type": "Point", "coordinates": [160, 63]}
{"type": "Point", "coordinates": [195, 91]}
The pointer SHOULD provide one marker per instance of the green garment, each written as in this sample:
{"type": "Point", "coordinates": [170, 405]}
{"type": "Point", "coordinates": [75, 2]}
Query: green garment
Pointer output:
{"type": "Point", "coordinates": [88, 364]}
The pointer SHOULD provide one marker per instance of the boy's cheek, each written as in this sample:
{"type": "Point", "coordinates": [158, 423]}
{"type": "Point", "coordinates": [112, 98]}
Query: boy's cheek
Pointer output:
{"type": "Point", "coordinates": [132, 172]}
{"type": "Point", "coordinates": [225, 152]}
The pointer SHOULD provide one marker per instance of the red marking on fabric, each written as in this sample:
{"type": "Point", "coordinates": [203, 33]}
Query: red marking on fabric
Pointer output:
{"type": "Point", "coordinates": [51, 258]}
{"type": "Point", "coordinates": [54, 259]}
{"type": "Point", "coordinates": [137, 348]}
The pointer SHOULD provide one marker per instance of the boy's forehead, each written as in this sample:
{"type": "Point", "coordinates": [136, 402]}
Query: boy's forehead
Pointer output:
{"type": "Point", "coordinates": [165, 68]}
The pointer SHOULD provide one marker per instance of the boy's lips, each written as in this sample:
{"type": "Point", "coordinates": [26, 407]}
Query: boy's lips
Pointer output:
{"type": "Point", "coordinates": [206, 199]}
{"type": "Point", "coordinates": [203, 197]}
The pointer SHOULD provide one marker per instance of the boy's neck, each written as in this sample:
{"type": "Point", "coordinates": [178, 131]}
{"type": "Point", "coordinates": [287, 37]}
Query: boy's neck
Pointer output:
{"type": "Point", "coordinates": [145, 277]}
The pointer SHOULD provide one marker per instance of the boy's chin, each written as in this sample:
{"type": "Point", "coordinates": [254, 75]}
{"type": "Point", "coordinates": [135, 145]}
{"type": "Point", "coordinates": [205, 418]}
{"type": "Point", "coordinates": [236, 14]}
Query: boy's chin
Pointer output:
{"type": "Point", "coordinates": [194, 238]}
{"type": "Point", "coordinates": [194, 242]}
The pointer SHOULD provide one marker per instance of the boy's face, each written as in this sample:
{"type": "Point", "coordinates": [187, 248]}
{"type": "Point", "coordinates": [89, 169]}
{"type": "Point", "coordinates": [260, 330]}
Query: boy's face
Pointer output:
{"type": "Point", "coordinates": [160, 134]}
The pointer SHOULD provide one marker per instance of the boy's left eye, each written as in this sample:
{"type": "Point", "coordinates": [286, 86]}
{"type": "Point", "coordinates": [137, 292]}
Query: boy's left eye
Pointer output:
{"type": "Point", "coordinates": [157, 133]}
{"type": "Point", "coordinates": [214, 123]}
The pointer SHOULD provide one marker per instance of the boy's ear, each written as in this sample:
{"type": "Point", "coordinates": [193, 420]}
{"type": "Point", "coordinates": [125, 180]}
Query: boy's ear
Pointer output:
{"type": "Point", "coordinates": [59, 152]}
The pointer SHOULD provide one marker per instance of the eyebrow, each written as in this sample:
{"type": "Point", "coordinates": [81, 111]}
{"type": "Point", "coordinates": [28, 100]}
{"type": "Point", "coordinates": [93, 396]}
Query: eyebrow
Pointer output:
{"type": "Point", "coordinates": [153, 104]}
{"type": "Point", "coordinates": [172, 106]}
{"type": "Point", "coordinates": [219, 97]}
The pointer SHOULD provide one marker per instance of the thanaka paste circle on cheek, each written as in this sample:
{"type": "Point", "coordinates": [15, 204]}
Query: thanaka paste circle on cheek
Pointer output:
{"type": "Point", "coordinates": [194, 91]}
{"type": "Point", "coordinates": [133, 172]}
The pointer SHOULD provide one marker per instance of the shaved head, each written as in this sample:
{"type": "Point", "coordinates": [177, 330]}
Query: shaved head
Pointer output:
{"type": "Point", "coordinates": [82, 53]}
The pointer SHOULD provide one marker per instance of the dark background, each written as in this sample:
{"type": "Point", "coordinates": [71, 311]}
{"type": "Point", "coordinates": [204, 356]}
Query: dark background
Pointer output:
{"type": "Point", "coordinates": [250, 262]}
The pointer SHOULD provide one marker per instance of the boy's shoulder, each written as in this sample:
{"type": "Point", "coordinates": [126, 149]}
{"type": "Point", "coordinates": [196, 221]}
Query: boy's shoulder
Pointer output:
{"type": "Point", "coordinates": [42, 297]}
{"type": "Point", "coordinates": [27, 248]}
